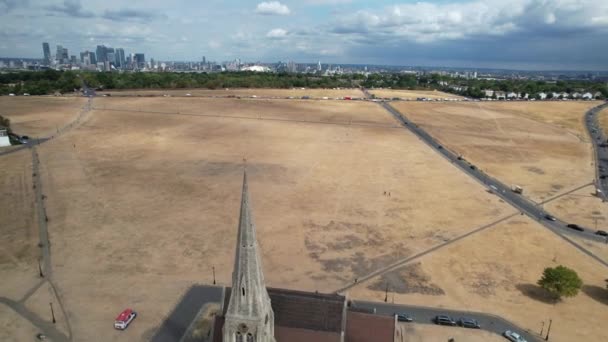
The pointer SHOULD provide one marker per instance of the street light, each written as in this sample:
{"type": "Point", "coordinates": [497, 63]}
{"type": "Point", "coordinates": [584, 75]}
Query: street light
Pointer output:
{"type": "Point", "coordinates": [213, 269]}
{"type": "Point", "coordinates": [386, 293]}
{"type": "Point", "coordinates": [52, 313]}
{"type": "Point", "coordinates": [548, 330]}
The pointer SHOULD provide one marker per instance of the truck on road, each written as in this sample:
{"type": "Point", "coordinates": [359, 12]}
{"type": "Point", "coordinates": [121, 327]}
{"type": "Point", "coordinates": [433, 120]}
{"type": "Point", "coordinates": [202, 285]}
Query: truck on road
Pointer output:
{"type": "Point", "coordinates": [517, 189]}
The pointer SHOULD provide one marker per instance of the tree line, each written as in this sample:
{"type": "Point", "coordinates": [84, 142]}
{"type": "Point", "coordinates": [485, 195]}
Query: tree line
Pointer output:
{"type": "Point", "coordinates": [51, 81]}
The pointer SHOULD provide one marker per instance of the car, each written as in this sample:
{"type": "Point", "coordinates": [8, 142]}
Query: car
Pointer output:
{"type": "Point", "coordinates": [125, 318]}
{"type": "Point", "coordinates": [550, 218]}
{"type": "Point", "coordinates": [469, 323]}
{"type": "Point", "coordinates": [601, 233]}
{"type": "Point", "coordinates": [444, 320]}
{"type": "Point", "coordinates": [513, 336]}
{"type": "Point", "coordinates": [401, 317]}
{"type": "Point", "coordinates": [439, 147]}
{"type": "Point", "coordinates": [575, 227]}
{"type": "Point", "coordinates": [473, 167]}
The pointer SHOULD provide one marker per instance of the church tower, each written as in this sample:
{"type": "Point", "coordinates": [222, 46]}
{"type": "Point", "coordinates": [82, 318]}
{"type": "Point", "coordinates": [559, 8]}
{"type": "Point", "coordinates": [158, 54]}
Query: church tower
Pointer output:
{"type": "Point", "coordinates": [249, 317]}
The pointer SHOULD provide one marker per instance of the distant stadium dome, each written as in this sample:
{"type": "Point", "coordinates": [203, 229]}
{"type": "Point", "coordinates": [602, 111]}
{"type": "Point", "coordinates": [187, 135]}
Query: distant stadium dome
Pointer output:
{"type": "Point", "coordinates": [256, 68]}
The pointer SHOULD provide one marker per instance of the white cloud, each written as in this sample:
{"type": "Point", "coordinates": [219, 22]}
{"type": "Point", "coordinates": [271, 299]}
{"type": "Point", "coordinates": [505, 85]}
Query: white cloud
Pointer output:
{"type": "Point", "coordinates": [272, 8]}
{"type": "Point", "coordinates": [328, 2]}
{"type": "Point", "coordinates": [277, 33]}
{"type": "Point", "coordinates": [428, 22]}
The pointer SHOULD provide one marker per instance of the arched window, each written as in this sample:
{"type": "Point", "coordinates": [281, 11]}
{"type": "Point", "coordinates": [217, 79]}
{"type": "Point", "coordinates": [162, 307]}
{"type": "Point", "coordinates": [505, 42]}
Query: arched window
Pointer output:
{"type": "Point", "coordinates": [249, 337]}
{"type": "Point", "coordinates": [243, 290]}
{"type": "Point", "coordinates": [238, 337]}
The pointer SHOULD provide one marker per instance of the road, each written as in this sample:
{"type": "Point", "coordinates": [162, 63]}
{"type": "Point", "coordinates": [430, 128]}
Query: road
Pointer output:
{"type": "Point", "coordinates": [600, 147]}
{"type": "Point", "coordinates": [425, 315]}
{"type": "Point", "coordinates": [521, 203]}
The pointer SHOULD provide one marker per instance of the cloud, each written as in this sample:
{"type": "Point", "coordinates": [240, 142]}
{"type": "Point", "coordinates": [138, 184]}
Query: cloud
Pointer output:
{"type": "Point", "coordinates": [9, 5]}
{"type": "Point", "coordinates": [430, 22]}
{"type": "Point", "coordinates": [328, 2]}
{"type": "Point", "coordinates": [131, 14]}
{"type": "Point", "coordinates": [71, 8]}
{"type": "Point", "coordinates": [272, 8]}
{"type": "Point", "coordinates": [277, 33]}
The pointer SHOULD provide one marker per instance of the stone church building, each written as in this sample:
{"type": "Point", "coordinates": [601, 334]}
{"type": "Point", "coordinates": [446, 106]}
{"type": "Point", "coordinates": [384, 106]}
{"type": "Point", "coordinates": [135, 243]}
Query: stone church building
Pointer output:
{"type": "Point", "coordinates": [254, 313]}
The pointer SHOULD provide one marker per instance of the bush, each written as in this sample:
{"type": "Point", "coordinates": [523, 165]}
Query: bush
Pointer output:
{"type": "Point", "coordinates": [560, 282]}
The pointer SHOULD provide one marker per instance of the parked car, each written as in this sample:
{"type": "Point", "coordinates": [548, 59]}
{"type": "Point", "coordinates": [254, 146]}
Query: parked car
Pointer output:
{"type": "Point", "coordinates": [444, 320]}
{"type": "Point", "coordinates": [124, 319]}
{"type": "Point", "coordinates": [401, 317]}
{"type": "Point", "coordinates": [513, 336]}
{"type": "Point", "coordinates": [469, 323]}
{"type": "Point", "coordinates": [575, 227]}
{"type": "Point", "coordinates": [601, 233]}
{"type": "Point", "coordinates": [550, 218]}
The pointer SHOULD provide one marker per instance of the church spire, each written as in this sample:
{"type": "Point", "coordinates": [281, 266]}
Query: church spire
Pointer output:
{"type": "Point", "coordinates": [249, 316]}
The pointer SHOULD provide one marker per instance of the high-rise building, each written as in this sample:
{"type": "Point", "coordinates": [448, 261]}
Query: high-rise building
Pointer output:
{"type": "Point", "coordinates": [111, 58]}
{"type": "Point", "coordinates": [46, 49]}
{"type": "Point", "coordinates": [120, 57]}
{"type": "Point", "coordinates": [59, 53]}
{"type": "Point", "coordinates": [139, 60]}
{"type": "Point", "coordinates": [101, 53]}
{"type": "Point", "coordinates": [73, 59]}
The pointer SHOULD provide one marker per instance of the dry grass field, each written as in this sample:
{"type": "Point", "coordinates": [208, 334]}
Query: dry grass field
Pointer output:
{"type": "Point", "coordinates": [412, 94]}
{"type": "Point", "coordinates": [582, 207]}
{"type": "Point", "coordinates": [541, 146]}
{"type": "Point", "coordinates": [496, 271]}
{"type": "Point", "coordinates": [245, 92]}
{"type": "Point", "coordinates": [39, 116]}
{"type": "Point", "coordinates": [141, 205]}
{"type": "Point", "coordinates": [143, 198]}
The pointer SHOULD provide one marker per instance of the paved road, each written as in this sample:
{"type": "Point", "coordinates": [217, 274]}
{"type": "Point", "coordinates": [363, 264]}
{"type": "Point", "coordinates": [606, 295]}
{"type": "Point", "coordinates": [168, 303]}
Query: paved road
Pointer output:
{"type": "Point", "coordinates": [600, 146]}
{"type": "Point", "coordinates": [176, 324]}
{"type": "Point", "coordinates": [502, 190]}
{"type": "Point", "coordinates": [425, 315]}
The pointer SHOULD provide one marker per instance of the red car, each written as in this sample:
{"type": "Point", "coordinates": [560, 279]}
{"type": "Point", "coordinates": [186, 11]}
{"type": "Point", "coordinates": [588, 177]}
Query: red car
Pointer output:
{"type": "Point", "coordinates": [124, 319]}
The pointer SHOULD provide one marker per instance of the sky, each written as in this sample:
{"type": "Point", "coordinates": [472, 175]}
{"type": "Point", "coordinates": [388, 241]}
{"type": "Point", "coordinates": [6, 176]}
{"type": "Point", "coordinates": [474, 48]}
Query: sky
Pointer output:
{"type": "Point", "coordinates": [513, 34]}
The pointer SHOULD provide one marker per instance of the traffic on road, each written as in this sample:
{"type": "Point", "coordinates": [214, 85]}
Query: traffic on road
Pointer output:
{"type": "Point", "coordinates": [507, 193]}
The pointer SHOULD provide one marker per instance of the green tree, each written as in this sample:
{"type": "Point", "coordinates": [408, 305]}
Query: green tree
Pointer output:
{"type": "Point", "coordinates": [5, 122]}
{"type": "Point", "coordinates": [560, 282]}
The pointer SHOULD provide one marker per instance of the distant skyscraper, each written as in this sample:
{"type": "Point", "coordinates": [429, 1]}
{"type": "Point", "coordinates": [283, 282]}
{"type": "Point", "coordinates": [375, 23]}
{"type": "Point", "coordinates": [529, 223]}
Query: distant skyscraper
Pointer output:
{"type": "Point", "coordinates": [46, 49]}
{"type": "Point", "coordinates": [139, 60]}
{"type": "Point", "coordinates": [101, 53]}
{"type": "Point", "coordinates": [59, 53]}
{"type": "Point", "coordinates": [111, 58]}
{"type": "Point", "coordinates": [204, 60]}
{"type": "Point", "coordinates": [120, 58]}
{"type": "Point", "coordinates": [319, 68]}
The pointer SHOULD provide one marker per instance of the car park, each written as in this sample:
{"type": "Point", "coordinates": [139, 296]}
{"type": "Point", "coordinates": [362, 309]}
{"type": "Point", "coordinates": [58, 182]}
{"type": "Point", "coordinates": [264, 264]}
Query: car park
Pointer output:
{"type": "Point", "coordinates": [125, 318]}
{"type": "Point", "coordinates": [469, 323]}
{"type": "Point", "coordinates": [402, 317]}
{"type": "Point", "coordinates": [513, 336]}
{"type": "Point", "coordinates": [444, 320]}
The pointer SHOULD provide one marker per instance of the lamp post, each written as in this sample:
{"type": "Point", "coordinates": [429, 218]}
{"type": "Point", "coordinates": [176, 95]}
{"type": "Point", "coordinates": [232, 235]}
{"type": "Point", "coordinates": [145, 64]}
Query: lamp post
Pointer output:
{"type": "Point", "coordinates": [386, 293]}
{"type": "Point", "coordinates": [52, 313]}
{"type": "Point", "coordinates": [548, 330]}
{"type": "Point", "coordinates": [213, 270]}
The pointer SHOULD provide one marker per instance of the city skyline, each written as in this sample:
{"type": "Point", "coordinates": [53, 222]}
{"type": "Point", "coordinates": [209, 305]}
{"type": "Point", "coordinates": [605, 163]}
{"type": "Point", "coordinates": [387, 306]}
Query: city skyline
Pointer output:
{"type": "Point", "coordinates": [523, 34]}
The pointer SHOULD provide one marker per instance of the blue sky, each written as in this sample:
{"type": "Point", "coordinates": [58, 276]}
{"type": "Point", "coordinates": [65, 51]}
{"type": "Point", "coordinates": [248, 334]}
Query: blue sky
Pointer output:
{"type": "Point", "coordinates": [515, 34]}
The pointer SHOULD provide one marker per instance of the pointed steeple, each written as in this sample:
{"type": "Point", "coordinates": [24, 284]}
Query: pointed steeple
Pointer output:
{"type": "Point", "coordinates": [249, 312]}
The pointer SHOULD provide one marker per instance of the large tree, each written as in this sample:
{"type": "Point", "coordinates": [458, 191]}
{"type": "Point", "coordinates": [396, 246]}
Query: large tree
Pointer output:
{"type": "Point", "coordinates": [5, 122]}
{"type": "Point", "coordinates": [560, 282]}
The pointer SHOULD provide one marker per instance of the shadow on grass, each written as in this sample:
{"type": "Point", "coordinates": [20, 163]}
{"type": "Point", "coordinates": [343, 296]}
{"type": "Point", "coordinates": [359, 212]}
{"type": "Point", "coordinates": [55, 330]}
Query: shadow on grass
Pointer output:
{"type": "Point", "coordinates": [187, 307]}
{"type": "Point", "coordinates": [536, 292]}
{"type": "Point", "coordinates": [596, 292]}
